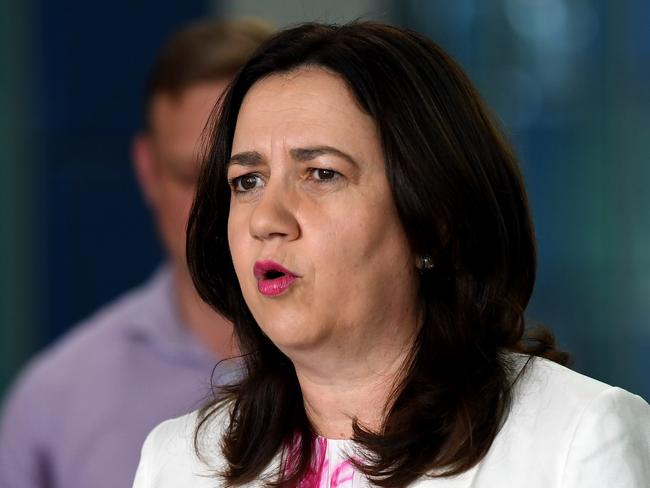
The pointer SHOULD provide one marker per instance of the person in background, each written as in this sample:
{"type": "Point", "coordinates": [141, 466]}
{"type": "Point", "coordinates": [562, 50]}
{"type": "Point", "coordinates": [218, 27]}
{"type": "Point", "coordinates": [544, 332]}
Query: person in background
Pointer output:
{"type": "Point", "coordinates": [79, 413]}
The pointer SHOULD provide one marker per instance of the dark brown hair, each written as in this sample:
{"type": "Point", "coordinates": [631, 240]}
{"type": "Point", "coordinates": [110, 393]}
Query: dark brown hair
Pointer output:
{"type": "Point", "coordinates": [461, 200]}
{"type": "Point", "coordinates": [203, 51]}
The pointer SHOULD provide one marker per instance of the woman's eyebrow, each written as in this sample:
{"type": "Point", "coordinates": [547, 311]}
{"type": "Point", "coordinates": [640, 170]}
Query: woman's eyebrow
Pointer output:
{"type": "Point", "coordinates": [247, 158]}
{"type": "Point", "coordinates": [303, 154]}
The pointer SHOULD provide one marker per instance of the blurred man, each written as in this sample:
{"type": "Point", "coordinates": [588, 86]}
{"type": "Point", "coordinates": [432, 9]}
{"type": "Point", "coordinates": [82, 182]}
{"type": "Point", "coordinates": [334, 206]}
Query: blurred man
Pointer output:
{"type": "Point", "coordinates": [78, 415]}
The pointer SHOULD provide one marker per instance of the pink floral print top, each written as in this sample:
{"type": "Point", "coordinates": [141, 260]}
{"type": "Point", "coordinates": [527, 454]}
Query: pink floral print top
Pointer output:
{"type": "Point", "coordinates": [332, 467]}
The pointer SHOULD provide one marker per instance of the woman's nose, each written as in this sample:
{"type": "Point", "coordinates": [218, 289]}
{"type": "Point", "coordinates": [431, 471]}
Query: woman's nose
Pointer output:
{"type": "Point", "coordinates": [274, 216]}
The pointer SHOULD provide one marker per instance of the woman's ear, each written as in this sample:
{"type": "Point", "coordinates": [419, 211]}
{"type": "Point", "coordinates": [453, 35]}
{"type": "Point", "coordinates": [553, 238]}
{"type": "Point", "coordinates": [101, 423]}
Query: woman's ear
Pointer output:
{"type": "Point", "coordinates": [443, 232]}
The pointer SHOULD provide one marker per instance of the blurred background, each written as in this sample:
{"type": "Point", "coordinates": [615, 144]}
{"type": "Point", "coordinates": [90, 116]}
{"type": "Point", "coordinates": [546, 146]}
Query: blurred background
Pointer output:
{"type": "Point", "coordinates": [568, 79]}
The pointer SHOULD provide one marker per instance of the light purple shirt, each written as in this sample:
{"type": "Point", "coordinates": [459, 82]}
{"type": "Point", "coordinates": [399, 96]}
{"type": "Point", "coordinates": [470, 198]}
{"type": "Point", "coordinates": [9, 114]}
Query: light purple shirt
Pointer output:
{"type": "Point", "coordinates": [78, 415]}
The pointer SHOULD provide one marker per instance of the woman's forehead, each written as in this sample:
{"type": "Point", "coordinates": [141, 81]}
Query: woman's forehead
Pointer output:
{"type": "Point", "coordinates": [304, 107]}
{"type": "Point", "coordinates": [309, 89]}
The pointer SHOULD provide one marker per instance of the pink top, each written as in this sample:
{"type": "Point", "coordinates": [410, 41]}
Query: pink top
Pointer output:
{"type": "Point", "coordinates": [332, 467]}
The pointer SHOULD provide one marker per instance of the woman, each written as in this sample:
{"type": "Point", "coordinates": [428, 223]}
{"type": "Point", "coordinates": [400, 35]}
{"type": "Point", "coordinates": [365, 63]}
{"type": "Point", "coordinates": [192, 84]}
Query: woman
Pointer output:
{"type": "Point", "coordinates": [362, 222]}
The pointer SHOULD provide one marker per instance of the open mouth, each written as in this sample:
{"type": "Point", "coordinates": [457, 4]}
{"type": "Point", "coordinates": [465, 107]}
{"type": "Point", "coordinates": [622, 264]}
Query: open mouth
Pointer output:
{"type": "Point", "coordinates": [272, 278]}
{"type": "Point", "coordinates": [273, 274]}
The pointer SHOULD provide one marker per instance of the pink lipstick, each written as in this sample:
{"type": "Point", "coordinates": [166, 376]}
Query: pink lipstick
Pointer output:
{"type": "Point", "coordinates": [272, 278]}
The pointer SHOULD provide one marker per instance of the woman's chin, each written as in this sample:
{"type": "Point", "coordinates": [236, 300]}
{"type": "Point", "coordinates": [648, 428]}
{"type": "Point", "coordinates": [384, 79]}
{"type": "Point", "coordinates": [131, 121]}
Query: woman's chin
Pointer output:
{"type": "Point", "coordinates": [293, 339]}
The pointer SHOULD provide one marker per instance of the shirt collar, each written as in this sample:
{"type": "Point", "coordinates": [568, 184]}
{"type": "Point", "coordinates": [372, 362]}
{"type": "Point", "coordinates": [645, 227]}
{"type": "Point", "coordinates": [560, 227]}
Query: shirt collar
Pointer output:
{"type": "Point", "coordinates": [156, 320]}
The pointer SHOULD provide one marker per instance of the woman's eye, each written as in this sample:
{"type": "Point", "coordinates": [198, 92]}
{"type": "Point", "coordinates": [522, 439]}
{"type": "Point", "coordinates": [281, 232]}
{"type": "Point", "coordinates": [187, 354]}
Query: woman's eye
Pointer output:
{"type": "Point", "coordinates": [245, 183]}
{"type": "Point", "coordinates": [320, 174]}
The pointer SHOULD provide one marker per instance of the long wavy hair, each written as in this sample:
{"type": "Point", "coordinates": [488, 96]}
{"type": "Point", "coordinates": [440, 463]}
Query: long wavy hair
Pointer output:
{"type": "Point", "coordinates": [461, 200]}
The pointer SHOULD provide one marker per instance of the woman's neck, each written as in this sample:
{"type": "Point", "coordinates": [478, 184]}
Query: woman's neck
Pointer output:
{"type": "Point", "coordinates": [340, 385]}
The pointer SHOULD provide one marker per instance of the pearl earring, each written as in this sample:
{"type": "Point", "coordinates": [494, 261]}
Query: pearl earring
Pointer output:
{"type": "Point", "coordinates": [424, 263]}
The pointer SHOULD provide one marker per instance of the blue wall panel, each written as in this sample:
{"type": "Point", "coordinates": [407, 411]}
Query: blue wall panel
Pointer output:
{"type": "Point", "coordinates": [97, 239]}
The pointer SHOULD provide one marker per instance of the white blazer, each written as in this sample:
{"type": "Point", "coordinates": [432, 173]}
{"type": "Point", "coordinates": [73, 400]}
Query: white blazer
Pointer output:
{"type": "Point", "coordinates": [564, 430]}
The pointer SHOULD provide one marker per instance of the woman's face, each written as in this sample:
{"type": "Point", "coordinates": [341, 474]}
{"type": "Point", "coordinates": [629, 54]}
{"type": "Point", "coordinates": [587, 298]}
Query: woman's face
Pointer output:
{"type": "Point", "coordinates": [316, 242]}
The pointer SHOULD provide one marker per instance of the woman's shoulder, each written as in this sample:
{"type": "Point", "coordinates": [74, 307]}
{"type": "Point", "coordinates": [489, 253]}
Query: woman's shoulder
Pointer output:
{"type": "Point", "coordinates": [576, 427]}
{"type": "Point", "coordinates": [549, 392]}
{"type": "Point", "coordinates": [536, 377]}
{"type": "Point", "coordinates": [541, 384]}
{"type": "Point", "coordinates": [169, 456]}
